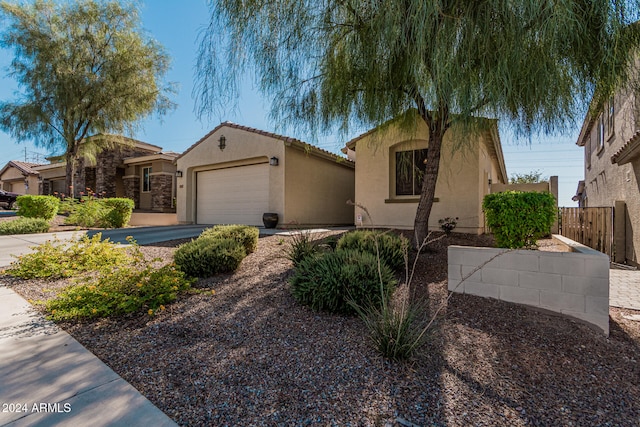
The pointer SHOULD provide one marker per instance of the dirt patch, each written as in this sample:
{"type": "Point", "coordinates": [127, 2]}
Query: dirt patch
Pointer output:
{"type": "Point", "coordinates": [250, 355]}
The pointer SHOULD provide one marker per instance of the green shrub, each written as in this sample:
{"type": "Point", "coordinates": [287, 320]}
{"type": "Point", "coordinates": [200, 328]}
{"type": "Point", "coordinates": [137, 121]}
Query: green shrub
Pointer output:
{"type": "Point", "coordinates": [332, 280]}
{"type": "Point", "coordinates": [518, 219]}
{"type": "Point", "coordinates": [106, 213]}
{"type": "Point", "coordinates": [243, 234]}
{"type": "Point", "coordinates": [207, 256]}
{"type": "Point", "coordinates": [120, 291]}
{"type": "Point", "coordinates": [300, 246]}
{"type": "Point", "coordinates": [45, 207]}
{"type": "Point", "coordinates": [391, 247]}
{"type": "Point", "coordinates": [24, 226]}
{"type": "Point", "coordinates": [56, 259]}
{"type": "Point", "coordinates": [118, 212]}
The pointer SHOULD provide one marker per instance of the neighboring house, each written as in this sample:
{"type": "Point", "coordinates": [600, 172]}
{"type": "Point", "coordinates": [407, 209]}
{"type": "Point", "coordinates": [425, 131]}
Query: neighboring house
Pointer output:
{"type": "Point", "coordinates": [235, 174]}
{"type": "Point", "coordinates": [19, 177]}
{"type": "Point", "coordinates": [389, 162]}
{"type": "Point", "coordinates": [611, 141]}
{"type": "Point", "coordinates": [136, 170]}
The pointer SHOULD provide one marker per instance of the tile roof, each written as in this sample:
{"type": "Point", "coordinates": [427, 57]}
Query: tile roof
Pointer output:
{"type": "Point", "coordinates": [25, 167]}
{"type": "Point", "coordinates": [628, 151]}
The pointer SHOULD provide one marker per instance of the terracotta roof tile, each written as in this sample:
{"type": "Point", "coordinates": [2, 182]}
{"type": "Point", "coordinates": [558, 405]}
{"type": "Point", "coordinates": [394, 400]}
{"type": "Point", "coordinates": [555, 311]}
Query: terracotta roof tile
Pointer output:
{"type": "Point", "coordinates": [629, 150]}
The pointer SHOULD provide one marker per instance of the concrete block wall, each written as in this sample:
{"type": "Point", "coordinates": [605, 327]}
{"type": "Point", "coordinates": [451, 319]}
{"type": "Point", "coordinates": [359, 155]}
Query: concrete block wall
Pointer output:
{"type": "Point", "coordinates": [574, 284]}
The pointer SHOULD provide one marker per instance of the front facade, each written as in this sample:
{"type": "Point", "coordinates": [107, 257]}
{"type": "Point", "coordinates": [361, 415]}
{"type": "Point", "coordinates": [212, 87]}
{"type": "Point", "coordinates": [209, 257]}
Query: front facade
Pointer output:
{"type": "Point", "coordinates": [611, 141]}
{"type": "Point", "coordinates": [136, 170]}
{"type": "Point", "coordinates": [388, 165]}
{"type": "Point", "coordinates": [235, 174]}
{"type": "Point", "coordinates": [19, 177]}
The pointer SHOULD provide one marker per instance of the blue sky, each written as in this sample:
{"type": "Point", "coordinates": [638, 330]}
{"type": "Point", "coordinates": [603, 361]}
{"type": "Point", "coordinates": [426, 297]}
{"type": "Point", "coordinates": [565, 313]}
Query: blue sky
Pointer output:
{"type": "Point", "coordinates": [176, 24]}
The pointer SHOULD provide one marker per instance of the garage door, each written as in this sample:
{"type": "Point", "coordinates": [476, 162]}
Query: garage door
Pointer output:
{"type": "Point", "coordinates": [237, 195]}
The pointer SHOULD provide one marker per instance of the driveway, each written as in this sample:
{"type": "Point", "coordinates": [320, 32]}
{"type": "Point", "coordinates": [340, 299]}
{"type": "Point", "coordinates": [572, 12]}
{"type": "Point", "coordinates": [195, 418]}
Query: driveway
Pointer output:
{"type": "Point", "coordinates": [148, 235]}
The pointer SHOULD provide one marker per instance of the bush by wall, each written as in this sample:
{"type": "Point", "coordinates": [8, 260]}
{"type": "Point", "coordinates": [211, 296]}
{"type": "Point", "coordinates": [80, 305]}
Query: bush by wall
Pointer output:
{"type": "Point", "coordinates": [45, 207]}
{"type": "Point", "coordinates": [207, 256]}
{"type": "Point", "coordinates": [518, 219]}
{"type": "Point", "coordinates": [243, 234]}
{"type": "Point", "coordinates": [332, 280]}
{"type": "Point", "coordinates": [119, 211]}
{"type": "Point", "coordinates": [24, 226]}
{"type": "Point", "coordinates": [392, 247]}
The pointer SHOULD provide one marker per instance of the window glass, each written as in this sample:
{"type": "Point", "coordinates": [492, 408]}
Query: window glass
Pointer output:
{"type": "Point", "coordinates": [410, 168]}
{"type": "Point", "coordinates": [146, 179]}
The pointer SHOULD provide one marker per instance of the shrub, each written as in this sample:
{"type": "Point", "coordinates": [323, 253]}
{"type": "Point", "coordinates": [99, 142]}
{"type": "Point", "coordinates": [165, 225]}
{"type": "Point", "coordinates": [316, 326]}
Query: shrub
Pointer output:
{"type": "Point", "coordinates": [246, 235]}
{"type": "Point", "coordinates": [518, 219]}
{"type": "Point", "coordinates": [24, 226]}
{"type": "Point", "coordinates": [118, 212]}
{"type": "Point", "coordinates": [391, 247]}
{"type": "Point", "coordinates": [300, 246]}
{"type": "Point", "coordinates": [331, 280]}
{"type": "Point", "coordinates": [207, 256]}
{"type": "Point", "coordinates": [56, 259]}
{"type": "Point", "coordinates": [120, 291]}
{"type": "Point", "coordinates": [45, 207]}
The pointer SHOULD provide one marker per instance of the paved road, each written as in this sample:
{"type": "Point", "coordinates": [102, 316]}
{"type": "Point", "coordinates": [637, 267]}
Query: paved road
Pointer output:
{"type": "Point", "coordinates": [148, 235]}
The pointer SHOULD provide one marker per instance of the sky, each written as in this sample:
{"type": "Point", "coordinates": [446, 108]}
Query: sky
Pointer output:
{"type": "Point", "coordinates": [176, 25]}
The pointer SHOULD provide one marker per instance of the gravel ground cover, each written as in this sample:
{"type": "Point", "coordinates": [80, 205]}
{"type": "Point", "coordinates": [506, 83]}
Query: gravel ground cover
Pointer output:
{"type": "Point", "coordinates": [250, 355]}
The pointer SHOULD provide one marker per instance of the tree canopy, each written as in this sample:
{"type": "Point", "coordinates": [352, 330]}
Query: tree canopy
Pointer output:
{"type": "Point", "coordinates": [84, 67]}
{"type": "Point", "coordinates": [532, 177]}
{"type": "Point", "coordinates": [338, 63]}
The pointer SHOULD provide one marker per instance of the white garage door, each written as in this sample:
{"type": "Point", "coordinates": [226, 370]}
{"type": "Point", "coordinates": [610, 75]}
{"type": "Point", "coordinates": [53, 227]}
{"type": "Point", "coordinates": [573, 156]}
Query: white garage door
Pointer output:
{"type": "Point", "coordinates": [237, 195]}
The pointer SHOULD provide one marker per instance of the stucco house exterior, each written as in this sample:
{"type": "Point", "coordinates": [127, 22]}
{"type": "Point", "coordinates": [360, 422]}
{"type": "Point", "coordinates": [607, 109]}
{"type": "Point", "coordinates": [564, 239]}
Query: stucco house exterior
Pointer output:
{"type": "Point", "coordinates": [235, 174]}
{"type": "Point", "coordinates": [19, 177]}
{"type": "Point", "coordinates": [135, 169]}
{"type": "Point", "coordinates": [387, 193]}
{"type": "Point", "coordinates": [611, 141]}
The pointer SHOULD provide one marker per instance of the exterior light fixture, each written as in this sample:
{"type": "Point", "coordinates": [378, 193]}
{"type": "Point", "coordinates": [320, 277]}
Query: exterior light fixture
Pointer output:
{"type": "Point", "coordinates": [178, 174]}
{"type": "Point", "coordinates": [222, 142]}
{"type": "Point", "coordinates": [273, 161]}
{"type": "Point", "coordinates": [489, 181]}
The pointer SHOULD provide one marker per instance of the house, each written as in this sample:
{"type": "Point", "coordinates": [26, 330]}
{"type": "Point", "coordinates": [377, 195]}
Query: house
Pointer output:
{"type": "Point", "coordinates": [235, 174]}
{"type": "Point", "coordinates": [19, 177]}
{"type": "Point", "coordinates": [611, 141]}
{"type": "Point", "coordinates": [135, 169]}
{"type": "Point", "coordinates": [387, 191]}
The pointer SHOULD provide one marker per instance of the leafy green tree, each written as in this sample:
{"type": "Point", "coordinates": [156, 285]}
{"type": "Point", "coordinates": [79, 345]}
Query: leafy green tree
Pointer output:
{"type": "Point", "coordinates": [84, 67]}
{"type": "Point", "coordinates": [342, 63]}
{"type": "Point", "coordinates": [532, 177]}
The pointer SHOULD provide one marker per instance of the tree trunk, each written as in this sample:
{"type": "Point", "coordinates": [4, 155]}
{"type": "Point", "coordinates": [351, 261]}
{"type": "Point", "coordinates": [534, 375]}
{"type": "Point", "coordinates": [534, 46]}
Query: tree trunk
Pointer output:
{"type": "Point", "coordinates": [428, 192]}
{"type": "Point", "coordinates": [69, 182]}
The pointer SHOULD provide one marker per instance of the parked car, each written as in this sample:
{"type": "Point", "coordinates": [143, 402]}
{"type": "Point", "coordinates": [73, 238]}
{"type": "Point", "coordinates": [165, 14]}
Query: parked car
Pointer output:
{"type": "Point", "coordinates": [8, 199]}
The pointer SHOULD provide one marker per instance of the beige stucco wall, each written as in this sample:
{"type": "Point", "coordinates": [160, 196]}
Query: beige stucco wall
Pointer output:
{"type": "Point", "coordinates": [606, 182]}
{"type": "Point", "coordinates": [242, 148]}
{"type": "Point", "coordinates": [317, 189]}
{"type": "Point", "coordinates": [462, 181]}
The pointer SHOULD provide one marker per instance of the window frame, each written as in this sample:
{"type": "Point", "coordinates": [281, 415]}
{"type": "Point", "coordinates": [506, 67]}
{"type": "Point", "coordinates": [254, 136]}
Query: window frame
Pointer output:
{"type": "Point", "coordinates": [416, 186]}
{"type": "Point", "coordinates": [146, 179]}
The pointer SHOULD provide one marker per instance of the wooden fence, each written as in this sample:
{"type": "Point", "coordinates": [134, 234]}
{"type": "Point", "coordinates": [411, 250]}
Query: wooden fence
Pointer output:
{"type": "Point", "coordinates": [592, 227]}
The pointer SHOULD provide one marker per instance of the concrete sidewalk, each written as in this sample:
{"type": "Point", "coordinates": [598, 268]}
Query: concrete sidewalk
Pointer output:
{"type": "Point", "coordinates": [47, 378]}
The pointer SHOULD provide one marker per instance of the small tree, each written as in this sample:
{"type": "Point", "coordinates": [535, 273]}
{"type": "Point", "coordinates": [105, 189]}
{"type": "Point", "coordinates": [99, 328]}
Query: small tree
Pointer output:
{"type": "Point", "coordinates": [85, 67]}
{"type": "Point", "coordinates": [532, 177]}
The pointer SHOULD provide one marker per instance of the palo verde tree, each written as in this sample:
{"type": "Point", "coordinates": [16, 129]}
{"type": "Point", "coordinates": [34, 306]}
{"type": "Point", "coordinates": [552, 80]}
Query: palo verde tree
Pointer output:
{"type": "Point", "coordinates": [338, 63]}
{"type": "Point", "coordinates": [84, 67]}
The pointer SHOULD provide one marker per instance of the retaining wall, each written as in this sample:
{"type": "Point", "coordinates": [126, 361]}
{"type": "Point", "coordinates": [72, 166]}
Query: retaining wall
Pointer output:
{"type": "Point", "coordinates": [574, 284]}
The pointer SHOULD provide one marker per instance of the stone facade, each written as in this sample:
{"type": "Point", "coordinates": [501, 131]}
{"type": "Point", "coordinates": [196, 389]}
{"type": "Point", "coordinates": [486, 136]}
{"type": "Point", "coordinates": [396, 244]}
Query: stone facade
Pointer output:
{"type": "Point", "coordinates": [161, 199]}
{"type": "Point", "coordinates": [132, 189]}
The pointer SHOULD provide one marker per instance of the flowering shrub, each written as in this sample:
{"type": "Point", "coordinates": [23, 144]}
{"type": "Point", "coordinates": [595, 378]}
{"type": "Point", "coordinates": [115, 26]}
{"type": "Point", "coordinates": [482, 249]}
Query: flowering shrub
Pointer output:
{"type": "Point", "coordinates": [120, 291]}
{"type": "Point", "coordinates": [56, 259]}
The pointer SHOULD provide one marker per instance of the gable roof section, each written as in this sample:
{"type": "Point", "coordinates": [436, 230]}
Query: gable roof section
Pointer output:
{"type": "Point", "coordinates": [495, 147]}
{"type": "Point", "coordinates": [287, 140]}
{"type": "Point", "coordinates": [629, 151]}
{"type": "Point", "coordinates": [24, 167]}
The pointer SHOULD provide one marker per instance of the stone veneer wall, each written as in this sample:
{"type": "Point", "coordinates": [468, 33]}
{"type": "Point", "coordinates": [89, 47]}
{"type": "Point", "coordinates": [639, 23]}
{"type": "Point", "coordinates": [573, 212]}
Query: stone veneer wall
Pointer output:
{"type": "Point", "coordinates": [132, 189]}
{"type": "Point", "coordinates": [161, 186]}
{"type": "Point", "coordinates": [574, 284]}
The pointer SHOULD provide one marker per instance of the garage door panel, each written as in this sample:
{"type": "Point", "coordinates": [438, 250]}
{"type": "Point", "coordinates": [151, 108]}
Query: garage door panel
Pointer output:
{"type": "Point", "coordinates": [237, 195]}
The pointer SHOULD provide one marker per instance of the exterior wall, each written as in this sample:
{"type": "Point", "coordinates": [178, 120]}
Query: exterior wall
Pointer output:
{"type": "Point", "coordinates": [575, 284]}
{"type": "Point", "coordinates": [242, 148]}
{"type": "Point", "coordinates": [607, 182]}
{"type": "Point", "coordinates": [462, 181]}
{"type": "Point", "coordinates": [317, 190]}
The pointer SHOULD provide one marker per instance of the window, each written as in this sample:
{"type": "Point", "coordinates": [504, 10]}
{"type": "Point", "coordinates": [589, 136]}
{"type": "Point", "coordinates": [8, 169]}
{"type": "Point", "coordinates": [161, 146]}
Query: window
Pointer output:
{"type": "Point", "coordinates": [600, 132]}
{"type": "Point", "coordinates": [410, 168]}
{"type": "Point", "coordinates": [610, 114]}
{"type": "Point", "coordinates": [146, 180]}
